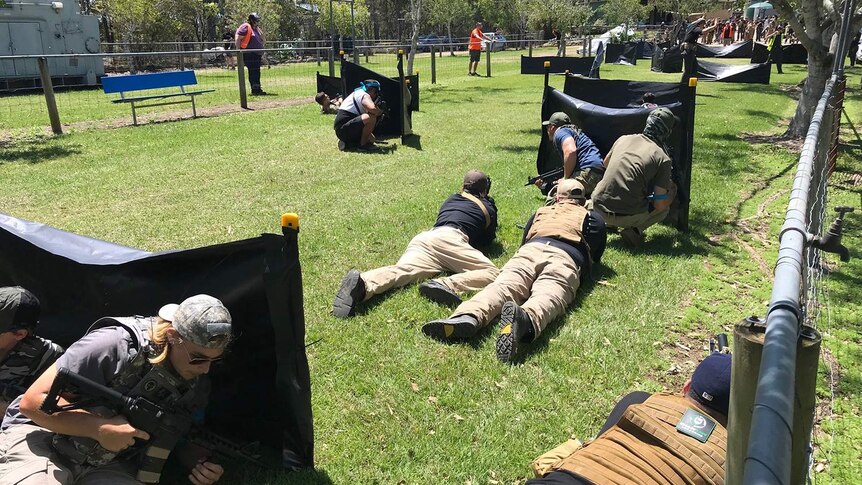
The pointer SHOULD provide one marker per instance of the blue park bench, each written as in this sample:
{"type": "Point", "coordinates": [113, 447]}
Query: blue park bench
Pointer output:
{"type": "Point", "coordinates": [158, 80]}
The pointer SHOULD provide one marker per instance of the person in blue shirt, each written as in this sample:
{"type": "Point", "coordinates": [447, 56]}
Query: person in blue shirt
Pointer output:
{"type": "Point", "coordinates": [581, 159]}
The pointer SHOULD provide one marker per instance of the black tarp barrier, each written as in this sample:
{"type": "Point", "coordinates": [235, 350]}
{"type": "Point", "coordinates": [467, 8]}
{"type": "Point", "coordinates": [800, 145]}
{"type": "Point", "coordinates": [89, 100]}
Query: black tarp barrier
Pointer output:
{"type": "Point", "coordinates": [646, 49]}
{"type": "Point", "coordinates": [790, 54]}
{"type": "Point", "coordinates": [575, 65]}
{"type": "Point", "coordinates": [625, 53]}
{"type": "Point", "coordinates": [80, 279]}
{"type": "Point", "coordinates": [728, 73]}
{"type": "Point", "coordinates": [740, 50]}
{"type": "Point", "coordinates": [330, 85]}
{"type": "Point", "coordinates": [395, 92]}
{"type": "Point", "coordinates": [667, 59]}
{"type": "Point", "coordinates": [621, 116]}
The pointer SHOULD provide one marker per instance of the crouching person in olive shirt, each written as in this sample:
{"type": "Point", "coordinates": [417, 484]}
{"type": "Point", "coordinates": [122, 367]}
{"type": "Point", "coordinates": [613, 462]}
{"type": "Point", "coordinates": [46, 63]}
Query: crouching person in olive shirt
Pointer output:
{"type": "Point", "coordinates": [637, 174]}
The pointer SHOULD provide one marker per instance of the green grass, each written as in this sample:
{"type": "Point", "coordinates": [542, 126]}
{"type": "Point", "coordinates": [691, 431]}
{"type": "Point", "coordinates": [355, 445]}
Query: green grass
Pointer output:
{"type": "Point", "coordinates": [470, 419]}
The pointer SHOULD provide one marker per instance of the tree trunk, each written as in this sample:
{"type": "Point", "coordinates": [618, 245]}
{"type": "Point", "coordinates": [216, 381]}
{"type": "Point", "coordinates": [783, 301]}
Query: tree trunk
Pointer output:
{"type": "Point", "coordinates": [819, 70]}
{"type": "Point", "coordinates": [415, 13]}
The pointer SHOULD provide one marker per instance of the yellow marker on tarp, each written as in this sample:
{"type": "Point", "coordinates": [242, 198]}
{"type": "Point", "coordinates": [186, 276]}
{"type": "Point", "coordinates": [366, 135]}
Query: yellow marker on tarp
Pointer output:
{"type": "Point", "coordinates": [290, 220]}
{"type": "Point", "coordinates": [692, 82]}
{"type": "Point", "coordinates": [401, 51]}
{"type": "Point", "coordinates": [547, 64]}
{"type": "Point", "coordinates": [341, 53]}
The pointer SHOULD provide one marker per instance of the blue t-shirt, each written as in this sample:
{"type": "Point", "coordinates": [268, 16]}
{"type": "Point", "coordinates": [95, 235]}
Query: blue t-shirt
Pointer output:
{"type": "Point", "coordinates": [587, 153]}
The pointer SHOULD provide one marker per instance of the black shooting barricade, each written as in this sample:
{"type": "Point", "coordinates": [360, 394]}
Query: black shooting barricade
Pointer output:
{"type": "Point", "coordinates": [397, 93]}
{"type": "Point", "coordinates": [261, 391]}
{"type": "Point", "coordinates": [607, 109]}
{"type": "Point", "coordinates": [574, 65]}
{"type": "Point", "coordinates": [666, 59]}
{"type": "Point", "coordinates": [625, 53]}
{"type": "Point", "coordinates": [740, 50]}
{"type": "Point", "coordinates": [733, 73]}
{"type": "Point", "coordinates": [790, 54]}
{"type": "Point", "coordinates": [330, 85]}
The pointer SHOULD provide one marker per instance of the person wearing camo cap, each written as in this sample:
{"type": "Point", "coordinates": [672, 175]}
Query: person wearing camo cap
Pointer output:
{"type": "Point", "coordinates": [23, 355]}
{"type": "Point", "coordinates": [90, 446]}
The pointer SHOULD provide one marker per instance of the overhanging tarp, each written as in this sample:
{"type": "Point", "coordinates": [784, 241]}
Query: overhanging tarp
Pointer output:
{"type": "Point", "coordinates": [398, 96]}
{"type": "Point", "coordinates": [80, 279]}
{"type": "Point", "coordinates": [666, 59]}
{"type": "Point", "coordinates": [740, 50]}
{"type": "Point", "coordinates": [626, 53]}
{"type": "Point", "coordinates": [727, 73]}
{"type": "Point", "coordinates": [575, 65]}
{"type": "Point", "coordinates": [330, 85]}
{"type": "Point", "coordinates": [790, 54]}
{"type": "Point", "coordinates": [607, 109]}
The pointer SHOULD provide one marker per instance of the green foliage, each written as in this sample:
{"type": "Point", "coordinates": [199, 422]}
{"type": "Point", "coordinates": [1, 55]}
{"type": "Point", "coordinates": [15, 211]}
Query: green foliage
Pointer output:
{"type": "Point", "coordinates": [684, 7]}
{"type": "Point", "coordinates": [341, 17]}
{"type": "Point", "coordinates": [624, 12]}
{"type": "Point", "coordinates": [455, 14]}
{"type": "Point", "coordinates": [562, 14]}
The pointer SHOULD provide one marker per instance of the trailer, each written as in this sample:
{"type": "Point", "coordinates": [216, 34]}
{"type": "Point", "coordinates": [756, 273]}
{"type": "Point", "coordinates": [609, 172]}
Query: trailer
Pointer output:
{"type": "Point", "coordinates": [29, 28]}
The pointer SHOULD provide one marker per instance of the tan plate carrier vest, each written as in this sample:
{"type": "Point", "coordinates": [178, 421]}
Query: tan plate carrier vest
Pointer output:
{"type": "Point", "coordinates": [645, 447]}
{"type": "Point", "coordinates": [563, 220]}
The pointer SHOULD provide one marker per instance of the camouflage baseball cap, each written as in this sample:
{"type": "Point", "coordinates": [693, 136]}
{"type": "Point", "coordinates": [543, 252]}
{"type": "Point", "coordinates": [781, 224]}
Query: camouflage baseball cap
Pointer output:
{"type": "Point", "coordinates": [18, 308]}
{"type": "Point", "coordinates": [558, 119]}
{"type": "Point", "coordinates": [202, 319]}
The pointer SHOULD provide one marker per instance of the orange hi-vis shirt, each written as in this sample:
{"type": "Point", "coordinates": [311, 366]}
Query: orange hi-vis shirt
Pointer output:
{"type": "Point", "coordinates": [476, 39]}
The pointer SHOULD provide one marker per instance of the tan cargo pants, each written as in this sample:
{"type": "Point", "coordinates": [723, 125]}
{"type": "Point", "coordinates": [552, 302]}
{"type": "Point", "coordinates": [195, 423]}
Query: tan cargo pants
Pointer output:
{"type": "Point", "coordinates": [27, 458]}
{"type": "Point", "coordinates": [430, 253]}
{"type": "Point", "coordinates": [640, 221]}
{"type": "Point", "coordinates": [540, 278]}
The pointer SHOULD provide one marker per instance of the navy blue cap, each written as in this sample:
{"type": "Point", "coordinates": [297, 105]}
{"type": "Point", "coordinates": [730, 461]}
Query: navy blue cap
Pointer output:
{"type": "Point", "coordinates": [710, 383]}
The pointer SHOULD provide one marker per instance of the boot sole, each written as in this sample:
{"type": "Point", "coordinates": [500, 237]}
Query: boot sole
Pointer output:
{"type": "Point", "coordinates": [344, 305]}
{"type": "Point", "coordinates": [507, 345]}
{"type": "Point", "coordinates": [447, 331]}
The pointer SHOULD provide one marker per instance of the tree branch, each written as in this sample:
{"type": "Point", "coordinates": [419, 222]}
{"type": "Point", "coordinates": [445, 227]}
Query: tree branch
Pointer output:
{"type": "Point", "coordinates": [813, 46]}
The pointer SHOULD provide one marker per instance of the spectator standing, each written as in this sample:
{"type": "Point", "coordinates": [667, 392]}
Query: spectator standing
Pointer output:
{"type": "Point", "coordinates": [229, 61]}
{"type": "Point", "coordinates": [774, 43]}
{"type": "Point", "coordinates": [475, 48]}
{"type": "Point", "coordinates": [249, 37]}
{"type": "Point", "coordinates": [854, 48]}
{"type": "Point", "coordinates": [559, 39]}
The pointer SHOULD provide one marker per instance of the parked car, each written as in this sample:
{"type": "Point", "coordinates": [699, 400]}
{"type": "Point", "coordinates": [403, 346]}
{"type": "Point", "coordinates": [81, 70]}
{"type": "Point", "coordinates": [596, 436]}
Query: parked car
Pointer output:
{"type": "Point", "coordinates": [499, 42]}
{"type": "Point", "coordinates": [439, 42]}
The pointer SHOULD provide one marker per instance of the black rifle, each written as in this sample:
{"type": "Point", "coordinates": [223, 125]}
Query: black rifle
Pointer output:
{"type": "Point", "coordinates": [166, 428]}
{"type": "Point", "coordinates": [719, 344]}
{"type": "Point", "coordinates": [548, 178]}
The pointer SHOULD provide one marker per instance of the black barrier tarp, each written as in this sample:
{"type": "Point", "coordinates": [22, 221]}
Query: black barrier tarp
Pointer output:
{"type": "Point", "coordinates": [790, 54]}
{"type": "Point", "coordinates": [330, 85]}
{"type": "Point", "coordinates": [667, 60]}
{"type": "Point", "coordinates": [604, 124]}
{"type": "Point", "coordinates": [740, 50]}
{"type": "Point", "coordinates": [727, 73]}
{"type": "Point", "coordinates": [575, 65]}
{"type": "Point", "coordinates": [625, 53]}
{"type": "Point", "coordinates": [333, 87]}
{"type": "Point", "coordinates": [399, 122]}
{"type": "Point", "coordinates": [80, 279]}
{"type": "Point", "coordinates": [646, 49]}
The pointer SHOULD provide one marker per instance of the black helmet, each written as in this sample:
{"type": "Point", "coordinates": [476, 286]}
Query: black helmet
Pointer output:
{"type": "Point", "coordinates": [253, 17]}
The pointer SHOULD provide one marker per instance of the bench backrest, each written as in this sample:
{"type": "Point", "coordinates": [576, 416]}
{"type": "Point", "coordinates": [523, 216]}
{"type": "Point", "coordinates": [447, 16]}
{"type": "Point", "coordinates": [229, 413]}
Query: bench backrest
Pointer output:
{"type": "Point", "coordinates": [137, 82]}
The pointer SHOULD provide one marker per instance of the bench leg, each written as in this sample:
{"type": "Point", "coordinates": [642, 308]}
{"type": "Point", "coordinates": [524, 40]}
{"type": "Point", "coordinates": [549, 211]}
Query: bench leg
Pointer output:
{"type": "Point", "coordinates": [194, 110]}
{"type": "Point", "coordinates": [134, 115]}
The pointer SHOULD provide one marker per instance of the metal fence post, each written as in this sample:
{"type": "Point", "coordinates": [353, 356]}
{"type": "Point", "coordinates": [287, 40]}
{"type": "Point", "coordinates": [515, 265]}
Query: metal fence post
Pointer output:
{"type": "Point", "coordinates": [433, 67]}
{"type": "Point", "coordinates": [488, 60]}
{"type": "Point", "coordinates": [317, 55]}
{"type": "Point", "coordinates": [240, 73]}
{"type": "Point", "coordinates": [530, 46]}
{"type": "Point", "coordinates": [48, 89]}
{"type": "Point", "coordinates": [331, 54]}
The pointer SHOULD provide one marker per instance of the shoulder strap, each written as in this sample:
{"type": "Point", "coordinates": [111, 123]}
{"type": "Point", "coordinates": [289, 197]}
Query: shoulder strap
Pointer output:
{"type": "Point", "coordinates": [478, 202]}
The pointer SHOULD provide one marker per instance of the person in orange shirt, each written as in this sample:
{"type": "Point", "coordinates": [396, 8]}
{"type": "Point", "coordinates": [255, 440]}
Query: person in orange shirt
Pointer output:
{"type": "Point", "coordinates": [475, 48]}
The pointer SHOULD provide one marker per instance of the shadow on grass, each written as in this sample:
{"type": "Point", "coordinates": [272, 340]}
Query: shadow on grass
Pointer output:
{"type": "Point", "coordinates": [34, 151]}
{"type": "Point", "coordinates": [301, 477]}
{"type": "Point", "coordinates": [414, 141]}
{"type": "Point", "coordinates": [517, 149]}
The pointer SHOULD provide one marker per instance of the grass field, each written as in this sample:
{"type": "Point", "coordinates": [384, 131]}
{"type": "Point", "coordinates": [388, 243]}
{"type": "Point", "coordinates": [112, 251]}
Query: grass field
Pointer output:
{"type": "Point", "coordinates": [392, 406]}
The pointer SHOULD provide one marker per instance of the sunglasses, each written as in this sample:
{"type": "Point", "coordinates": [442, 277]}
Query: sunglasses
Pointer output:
{"type": "Point", "coordinates": [197, 360]}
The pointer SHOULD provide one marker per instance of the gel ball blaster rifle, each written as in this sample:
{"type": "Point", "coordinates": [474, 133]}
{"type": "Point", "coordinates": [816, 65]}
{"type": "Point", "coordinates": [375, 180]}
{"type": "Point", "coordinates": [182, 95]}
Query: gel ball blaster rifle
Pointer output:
{"type": "Point", "coordinates": [166, 428]}
{"type": "Point", "coordinates": [548, 178]}
{"type": "Point", "coordinates": [719, 344]}
{"type": "Point", "coordinates": [383, 106]}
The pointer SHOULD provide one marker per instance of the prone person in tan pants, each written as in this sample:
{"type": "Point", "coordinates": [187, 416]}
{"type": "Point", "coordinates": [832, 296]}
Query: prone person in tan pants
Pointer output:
{"type": "Point", "coordinates": [466, 221]}
{"type": "Point", "coordinates": [539, 282]}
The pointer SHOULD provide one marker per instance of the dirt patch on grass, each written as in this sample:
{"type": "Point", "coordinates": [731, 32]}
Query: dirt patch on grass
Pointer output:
{"type": "Point", "coordinates": [9, 137]}
{"type": "Point", "coordinates": [789, 143]}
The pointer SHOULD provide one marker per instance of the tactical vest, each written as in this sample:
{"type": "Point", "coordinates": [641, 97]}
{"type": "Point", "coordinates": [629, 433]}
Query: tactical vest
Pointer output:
{"type": "Point", "coordinates": [645, 447]}
{"type": "Point", "coordinates": [137, 378]}
{"type": "Point", "coordinates": [563, 220]}
{"type": "Point", "coordinates": [24, 363]}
